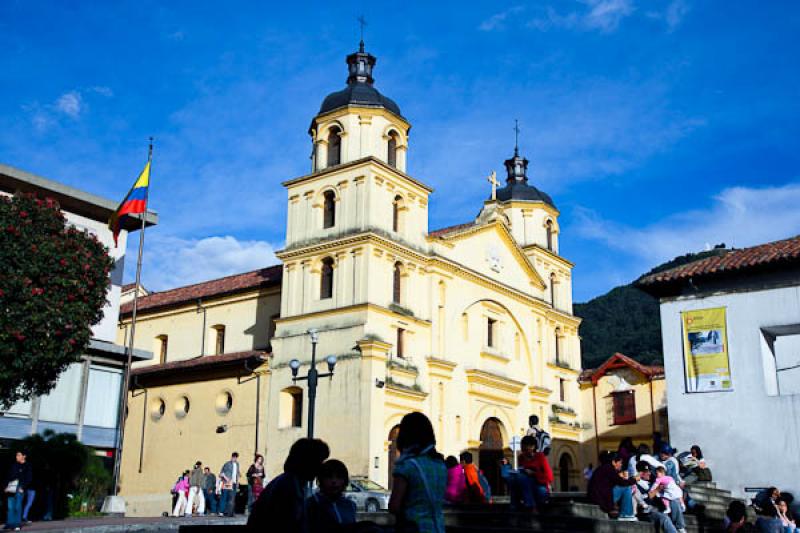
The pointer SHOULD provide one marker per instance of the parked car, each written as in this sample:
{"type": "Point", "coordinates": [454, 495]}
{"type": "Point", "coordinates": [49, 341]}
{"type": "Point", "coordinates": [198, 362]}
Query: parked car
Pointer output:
{"type": "Point", "coordinates": [367, 495]}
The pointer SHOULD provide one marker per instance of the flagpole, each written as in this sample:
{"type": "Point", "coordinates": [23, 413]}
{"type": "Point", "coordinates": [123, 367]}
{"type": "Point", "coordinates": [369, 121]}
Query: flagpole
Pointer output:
{"type": "Point", "coordinates": [127, 370]}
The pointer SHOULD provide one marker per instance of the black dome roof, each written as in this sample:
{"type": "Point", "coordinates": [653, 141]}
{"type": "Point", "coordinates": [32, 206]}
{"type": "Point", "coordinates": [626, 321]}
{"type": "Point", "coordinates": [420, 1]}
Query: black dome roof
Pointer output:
{"type": "Point", "coordinates": [359, 90]}
{"type": "Point", "coordinates": [525, 192]}
{"type": "Point", "coordinates": [358, 93]}
{"type": "Point", "coordinates": [517, 187]}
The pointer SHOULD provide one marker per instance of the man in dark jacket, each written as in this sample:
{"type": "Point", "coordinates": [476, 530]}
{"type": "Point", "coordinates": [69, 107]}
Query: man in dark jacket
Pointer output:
{"type": "Point", "coordinates": [210, 491]}
{"type": "Point", "coordinates": [18, 480]}
{"type": "Point", "coordinates": [608, 486]}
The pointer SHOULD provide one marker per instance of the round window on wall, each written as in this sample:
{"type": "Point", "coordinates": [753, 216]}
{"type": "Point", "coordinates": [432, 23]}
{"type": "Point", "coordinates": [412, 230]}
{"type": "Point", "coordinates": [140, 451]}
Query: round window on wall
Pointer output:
{"type": "Point", "coordinates": [182, 407]}
{"type": "Point", "coordinates": [158, 408]}
{"type": "Point", "coordinates": [224, 402]}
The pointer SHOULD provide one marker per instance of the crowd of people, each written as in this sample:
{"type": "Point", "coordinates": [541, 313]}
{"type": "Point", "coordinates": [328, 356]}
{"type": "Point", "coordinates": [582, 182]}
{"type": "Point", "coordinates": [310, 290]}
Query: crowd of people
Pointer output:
{"type": "Point", "coordinates": [200, 492]}
{"type": "Point", "coordinates": [635, 483]}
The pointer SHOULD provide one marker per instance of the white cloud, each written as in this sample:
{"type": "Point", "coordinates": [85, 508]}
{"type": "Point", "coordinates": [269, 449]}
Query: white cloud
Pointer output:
{"type": "Point", "coordinates": [497, 21]}
{"type": "Point", "coordinates": [102, 90]}
{"type": "Point", "coordinates": [173, 262]}
{"type": "Point", "coordinates": [738, 216]}
{"type": "Point", "coordinates": [599, 15]}
{"type": "Point", "coordinates": [70, 104]}
{"type": "Point", "coordinates": [672, 15]}
{"type": "Point", "coordinates": [606, 15]}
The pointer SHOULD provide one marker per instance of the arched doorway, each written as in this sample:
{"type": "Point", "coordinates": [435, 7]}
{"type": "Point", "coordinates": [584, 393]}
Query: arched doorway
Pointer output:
{"type": "Point", "coordinates": [490, 453]}
{"type": "Point", "coordinates": [564, 467]}
{"type": "Point", "coordinates": [394, 453]}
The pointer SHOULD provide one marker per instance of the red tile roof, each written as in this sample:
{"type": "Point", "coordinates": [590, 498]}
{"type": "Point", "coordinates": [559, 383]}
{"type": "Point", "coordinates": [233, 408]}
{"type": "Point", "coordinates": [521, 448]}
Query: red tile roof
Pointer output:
{"type": "Point", "coordinates": [450, 229]}
{"type": "Point", "coordinates": [265, 277]}
{"type": "Point", "coordinates": [128, 287]}
{"type": "Point", "coordinates": [770, 254]}
{"type": "Point", "coordinates": [619, 360]}
{"type": "Point", "coordinates": [198, 362]}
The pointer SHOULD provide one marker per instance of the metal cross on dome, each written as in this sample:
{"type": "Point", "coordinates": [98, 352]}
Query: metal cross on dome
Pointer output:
{"type": "Point", "coordinates": [362, 22]}
{"type": "Point", "coordinates": [516, 137]}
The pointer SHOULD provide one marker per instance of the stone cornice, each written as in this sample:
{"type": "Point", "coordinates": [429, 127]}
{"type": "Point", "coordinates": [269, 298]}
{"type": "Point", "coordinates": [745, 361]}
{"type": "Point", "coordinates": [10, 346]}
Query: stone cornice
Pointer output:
{"type": "Point", "coordinates": [363, 162]}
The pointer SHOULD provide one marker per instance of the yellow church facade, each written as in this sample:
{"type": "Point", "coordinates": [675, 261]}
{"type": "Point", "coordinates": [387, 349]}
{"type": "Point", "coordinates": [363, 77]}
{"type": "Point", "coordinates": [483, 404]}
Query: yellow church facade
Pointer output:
{"type": "Point", "coordinates": [471, 325]}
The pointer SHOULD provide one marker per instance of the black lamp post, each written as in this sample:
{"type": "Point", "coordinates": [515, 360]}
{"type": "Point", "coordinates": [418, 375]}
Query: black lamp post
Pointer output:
{"type": "Point", "coordinates": [312, 377]}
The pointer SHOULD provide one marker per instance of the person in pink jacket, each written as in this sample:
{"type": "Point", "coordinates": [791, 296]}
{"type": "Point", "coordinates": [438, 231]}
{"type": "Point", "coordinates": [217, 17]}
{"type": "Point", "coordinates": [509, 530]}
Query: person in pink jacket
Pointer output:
{"type": "Point", "coordinates": [456, 482]}
{"type": "Point", "coordinates": [182, 490]}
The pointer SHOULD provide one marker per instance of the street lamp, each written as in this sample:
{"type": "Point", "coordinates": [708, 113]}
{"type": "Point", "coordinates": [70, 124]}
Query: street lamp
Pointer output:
{"type": "Point", "coordinates": [312, 377]}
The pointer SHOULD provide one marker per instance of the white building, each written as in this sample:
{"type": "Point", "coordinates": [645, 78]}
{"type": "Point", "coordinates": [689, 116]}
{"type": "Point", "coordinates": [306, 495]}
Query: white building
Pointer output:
{"type": "Point", "coordinates": [746, 416]}
{"type": "Point", "coordinates": [85, 400]}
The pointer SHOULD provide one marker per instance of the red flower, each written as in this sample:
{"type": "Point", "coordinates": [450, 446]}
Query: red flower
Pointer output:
{"type": "Point", "coordinates": [63, 262]}
{"type": "Point", "coordinates": [23, 214]}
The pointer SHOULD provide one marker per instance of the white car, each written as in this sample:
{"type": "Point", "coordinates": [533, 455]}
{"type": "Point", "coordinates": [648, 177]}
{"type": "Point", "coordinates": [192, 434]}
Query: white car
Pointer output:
{"type": "Point", "coordinates": [367, 495]}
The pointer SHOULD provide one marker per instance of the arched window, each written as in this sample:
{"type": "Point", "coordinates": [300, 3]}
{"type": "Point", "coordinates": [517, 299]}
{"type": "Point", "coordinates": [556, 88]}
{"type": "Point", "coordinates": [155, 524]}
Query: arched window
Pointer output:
{"type": "Point", "coordinates": [329, 210]}
{"type": "Point", "coordinates": [557, 339]}
{"type": "Point", "coordinates": [553, 289]}
{"type": "Point", "coordinates": [163, 341]}
{"type": "Point", "coordinates": [326, 279]}
{"type": "Point", "coordinates": [397, 206]}
{"type": "Point", "coordinates": [291, 408]}
{"type": "Point", "coordinates": [400, 349]}
{"type": "Point", "coordinates": [219, 343]}
{"type": "Point", "coordinates": [397, 280]}
{"type": "Point", "coordinates": [334, 146]}
{"type": "Point", "coordinates": [391, 156]}
{"type": "Point", "coordinates": [549, 227]}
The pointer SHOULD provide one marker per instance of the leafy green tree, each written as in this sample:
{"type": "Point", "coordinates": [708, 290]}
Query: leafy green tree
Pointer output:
{"type": "Point", "coordinates": [53, 283]}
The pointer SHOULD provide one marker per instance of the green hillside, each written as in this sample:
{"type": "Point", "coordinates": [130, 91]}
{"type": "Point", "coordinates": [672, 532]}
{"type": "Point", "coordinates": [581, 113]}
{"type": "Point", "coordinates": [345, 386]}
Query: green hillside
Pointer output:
{"type": "Point", "coordinates": [627, 320]}
{"type": "Point", "coordinates": [623, 320]}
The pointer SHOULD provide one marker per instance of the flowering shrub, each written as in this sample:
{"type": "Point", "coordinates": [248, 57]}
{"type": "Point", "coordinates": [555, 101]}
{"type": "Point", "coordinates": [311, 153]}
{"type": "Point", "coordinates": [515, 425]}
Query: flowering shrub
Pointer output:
{"type": "Point", "coordinates": [53, 282]}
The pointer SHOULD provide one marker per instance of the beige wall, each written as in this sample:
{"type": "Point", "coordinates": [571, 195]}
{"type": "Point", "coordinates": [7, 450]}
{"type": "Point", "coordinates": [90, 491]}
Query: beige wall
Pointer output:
{"type": "Point", "coordinates": [246, 318]}
{"type": "Point", "coordinates": [173, 443]}
{"type": "Point", "coordinates": [650, 414]}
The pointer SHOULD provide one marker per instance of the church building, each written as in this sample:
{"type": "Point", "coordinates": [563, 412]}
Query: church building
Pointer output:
{"type": "Point", "coordinates": [471, 324]}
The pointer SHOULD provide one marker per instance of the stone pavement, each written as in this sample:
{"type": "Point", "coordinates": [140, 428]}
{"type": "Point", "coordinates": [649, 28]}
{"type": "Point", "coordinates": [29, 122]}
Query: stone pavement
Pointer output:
{"type": "Point", "coordinates": [106, 524]}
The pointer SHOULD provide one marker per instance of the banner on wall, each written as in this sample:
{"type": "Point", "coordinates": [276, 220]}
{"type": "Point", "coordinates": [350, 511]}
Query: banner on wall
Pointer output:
{"type": "Point", "coordinates": [705, 347]}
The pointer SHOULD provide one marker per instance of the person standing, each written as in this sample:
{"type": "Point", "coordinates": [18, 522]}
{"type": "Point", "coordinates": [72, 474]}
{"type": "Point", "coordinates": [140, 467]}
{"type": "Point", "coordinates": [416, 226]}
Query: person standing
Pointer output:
{"type": "Point", "coordinates": [196, 490]}
{"type": "Point", "coordinates": [255, 480]}
{"type": "Point", "coordinates": [230, 484]}
{"type": "Point", "coordinates": [18, 480]}
{"type": "Point", "coordinates": [420, 477]}
{"type": "Point", "coordinates": [210, 491]}
{"type": "Point", "coordinates": [181, 489]}
{"type": "Point", "coordinates": [543, 440]}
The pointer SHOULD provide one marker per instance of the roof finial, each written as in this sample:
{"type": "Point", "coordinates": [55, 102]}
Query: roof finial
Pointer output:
{"type": "Point", "coordinates": [516, 138]}
{"type": "Point", "coordinates": [362, 22]}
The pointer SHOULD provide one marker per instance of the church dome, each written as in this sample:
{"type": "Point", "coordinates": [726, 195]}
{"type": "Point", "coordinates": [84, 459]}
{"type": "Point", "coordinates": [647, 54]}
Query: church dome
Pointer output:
{"type": "Point", "coordinates": [359, 90]}
{"type": "Point", "coordinates": [517, 187]}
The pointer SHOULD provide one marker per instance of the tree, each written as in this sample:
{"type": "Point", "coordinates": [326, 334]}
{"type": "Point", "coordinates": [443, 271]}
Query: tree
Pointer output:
{"type": "Point", "coordinates": [53, 283]}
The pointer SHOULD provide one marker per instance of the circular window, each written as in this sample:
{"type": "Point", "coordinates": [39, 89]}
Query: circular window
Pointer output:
{"type": "Point", "coordinates": [224, 402]}
{"type": "Point", "coordinates": [158, 408]}
{"type": "Point", "coordinates": [182, 407]}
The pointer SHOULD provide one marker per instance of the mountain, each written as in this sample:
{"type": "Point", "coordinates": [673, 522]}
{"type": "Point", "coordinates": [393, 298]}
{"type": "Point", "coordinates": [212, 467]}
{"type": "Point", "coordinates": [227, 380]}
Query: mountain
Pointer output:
{"type": "Point", "coordinates": [627, 320]}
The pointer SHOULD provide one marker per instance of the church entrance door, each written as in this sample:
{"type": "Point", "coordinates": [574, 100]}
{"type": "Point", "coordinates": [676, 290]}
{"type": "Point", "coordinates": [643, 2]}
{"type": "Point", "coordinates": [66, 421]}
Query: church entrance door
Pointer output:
{"type": "Point", "coordinates": [490, 454]}
{"type": "Point", "coordinates": [564, 466]}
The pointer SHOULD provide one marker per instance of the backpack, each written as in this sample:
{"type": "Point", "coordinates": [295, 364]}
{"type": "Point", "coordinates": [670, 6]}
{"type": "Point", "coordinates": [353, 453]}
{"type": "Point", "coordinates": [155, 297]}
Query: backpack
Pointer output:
{"type": "Point", "coordinates": [543, 440]}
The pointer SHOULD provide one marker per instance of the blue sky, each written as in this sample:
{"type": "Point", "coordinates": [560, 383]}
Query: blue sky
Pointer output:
{"type": "Point", "coordinates": [658, 127]}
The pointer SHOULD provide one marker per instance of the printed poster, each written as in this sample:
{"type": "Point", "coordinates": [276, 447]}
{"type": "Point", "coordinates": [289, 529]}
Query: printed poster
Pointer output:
{"type": "Point", "coordinates": [705, 348]}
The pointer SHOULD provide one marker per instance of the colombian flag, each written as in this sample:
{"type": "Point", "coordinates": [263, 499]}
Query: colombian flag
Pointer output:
{"type": "Point", "coordinates": [135, 203]}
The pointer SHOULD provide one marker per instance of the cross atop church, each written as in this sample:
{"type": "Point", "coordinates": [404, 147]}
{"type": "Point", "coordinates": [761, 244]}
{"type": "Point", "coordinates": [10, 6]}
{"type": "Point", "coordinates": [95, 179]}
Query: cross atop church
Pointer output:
{"type": "Point", "coordinates": [516, 137]}
{"type": "Point", "coordinates": [493, 180]}
{"type": "Point", "coordinates": [363, 23]}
